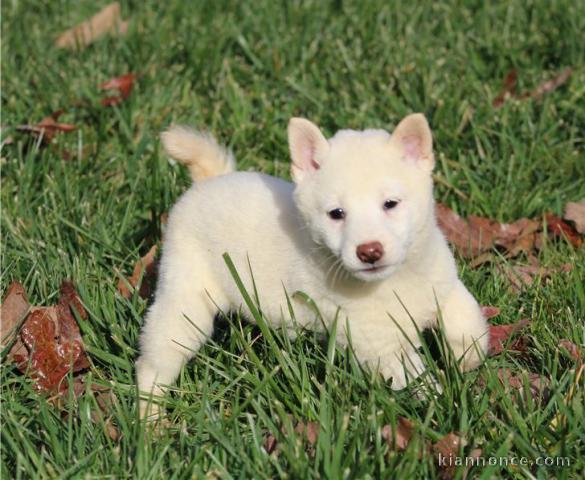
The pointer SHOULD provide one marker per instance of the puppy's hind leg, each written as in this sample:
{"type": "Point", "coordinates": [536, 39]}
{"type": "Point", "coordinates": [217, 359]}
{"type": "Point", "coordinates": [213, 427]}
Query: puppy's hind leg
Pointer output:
{"type": "Point", "coordinates": [176, 326]}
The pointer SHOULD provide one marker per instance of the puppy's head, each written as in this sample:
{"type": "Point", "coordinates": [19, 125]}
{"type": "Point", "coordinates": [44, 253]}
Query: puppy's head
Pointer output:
{"type": "Point", "coordinates": [365, 195]}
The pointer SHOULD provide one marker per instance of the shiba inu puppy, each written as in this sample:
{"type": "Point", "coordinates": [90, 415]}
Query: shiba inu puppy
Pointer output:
{"type": "Point", "coordinates": [356, 232]}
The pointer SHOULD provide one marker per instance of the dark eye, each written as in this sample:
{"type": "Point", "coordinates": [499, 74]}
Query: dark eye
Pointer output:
{"type": "Point", "coordinates": [390, 204]}
{"type": "Point", "coordinates": [336, 214]}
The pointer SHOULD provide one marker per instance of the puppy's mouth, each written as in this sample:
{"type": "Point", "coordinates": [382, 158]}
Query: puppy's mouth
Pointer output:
{"type": "Point", "coordinates": [374, 269]}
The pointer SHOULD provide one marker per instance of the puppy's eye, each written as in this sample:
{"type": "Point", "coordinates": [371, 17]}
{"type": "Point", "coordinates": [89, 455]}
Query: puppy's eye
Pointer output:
{"type": "Point", "coordinates": [390, 204]}
{"type": "Point", "coordinates": [336, 214]}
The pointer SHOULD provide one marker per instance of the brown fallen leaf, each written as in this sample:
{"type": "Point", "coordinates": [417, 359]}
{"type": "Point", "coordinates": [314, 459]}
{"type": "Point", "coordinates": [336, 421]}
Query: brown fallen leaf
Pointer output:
{"type": "Point", "coordinates": [489, 312]}
{"type": "Point", "coordinates": [509, 88]}
{"type": "Point", "coordinates": [575, 212]}
{"type": "Point", "coordinates": [106, 21]}
{"type": "Point", "coordinates": [559, 228]}
{"type": "Point", "coordinates": [398, 436]}
{"type": "Point", "coordinates": [143, 276]}
{"type": "Point", "coordinates": [525, 383]}
{"type": "Point", "coordinates": [48, 345]}
{"type": "Point", "coordinates": [447, 454]}
{"type": "Point", "coordinates": [309, 431]}
{"type": "Point", "coordinates": [122, 84]}
{"type": "Point", "coordinates": [572, 350]}
{"type": "Point", "coordinates": [48, 127]}
{"type": "Point", "coordinates": [522, 276]}
{"type": "Point", "coordinates": [499, 334]}
{"type": "Point", "coordinates": [13, 311]}
{"type": "Point", "coordinates": [101, 416]}
{"type": "Point", "coordinates": [105, 398]}
{"type": "Point", "coordinates": [549, 85]}
{"type": "Point", "coordinates": [476, 235]}
{"type": "Point", "coordinates": [474, 457]}
{"type": "Point", "coordinates": [307, 434]}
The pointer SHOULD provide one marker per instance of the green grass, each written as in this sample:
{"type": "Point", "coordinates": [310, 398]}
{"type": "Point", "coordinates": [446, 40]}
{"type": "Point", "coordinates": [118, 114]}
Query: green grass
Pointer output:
{"type": "Point", "coordinates": [242, 69]}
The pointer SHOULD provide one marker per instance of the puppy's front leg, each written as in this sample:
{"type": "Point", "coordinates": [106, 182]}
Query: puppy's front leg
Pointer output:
{"type": "Point", "coordinates": [466, 329]}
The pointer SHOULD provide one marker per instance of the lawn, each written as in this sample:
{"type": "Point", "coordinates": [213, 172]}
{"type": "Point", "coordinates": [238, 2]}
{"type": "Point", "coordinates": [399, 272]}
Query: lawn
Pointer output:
{"type": "Point", "coordinates": [89, 204]}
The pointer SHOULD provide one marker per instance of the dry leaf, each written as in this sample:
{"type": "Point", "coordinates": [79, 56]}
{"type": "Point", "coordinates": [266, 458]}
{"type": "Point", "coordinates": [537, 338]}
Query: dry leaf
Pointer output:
{"type": "Point", "coordinates": [48, 127]}
{"type": "Point", "coordinates": [398, 437]}
{"type": "Point", "coordinates": [15, 308]}
{"type": "Point", "coordinates": [489, 312]}
{"type": "Point", "coordinates": [107, 20]}
{"type": "Point", "coordinates": [575, 212]}
{"type": "Point", "coordinates": [446, 451]}
{"type": "Point", "coordinates": [143, 276]}
{"type": "Point", "coordinates": [476, 235]}
{"type": "Point", "coordinates": [559, 228]}
{"type": "Point", "coordinates": [509, 88]}
{"type": "Point", "coordinates": [307, 433]}
{"type": "Point", "coordinates": [122, 84]}
{"type": "Point", "coordinates": [499, 334]}
{"type": "Point", "coordinates": [527, 383]}
{"type": "Point", "coordinates": [549, 85]}
{"type": "Point", "coordinates": [473, 237]}
{"type": "Point", "coordinates": [48, 345]}
{"type": "Point", "coordinates": [270, 443]}
{"type": "Point", "coordinates": [571, 349]}
{"type": "Point", "coordinates": [12, 311]}
{"type": "Point", "coordinates": [521, 276]}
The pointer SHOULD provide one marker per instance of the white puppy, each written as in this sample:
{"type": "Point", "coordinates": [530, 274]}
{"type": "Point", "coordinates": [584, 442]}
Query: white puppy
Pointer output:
{"type": "Point", "coordinates": [356, 232]}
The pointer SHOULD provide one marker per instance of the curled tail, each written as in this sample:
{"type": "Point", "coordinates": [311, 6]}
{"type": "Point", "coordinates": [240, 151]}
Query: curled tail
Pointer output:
{"type": "Point", "coordinates": [199, 151]}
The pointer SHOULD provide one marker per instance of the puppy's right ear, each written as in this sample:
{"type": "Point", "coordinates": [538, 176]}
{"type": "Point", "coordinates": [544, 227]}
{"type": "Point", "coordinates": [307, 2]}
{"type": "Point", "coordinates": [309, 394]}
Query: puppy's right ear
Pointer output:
{"type": "Point", "coordinates": [307, 147]}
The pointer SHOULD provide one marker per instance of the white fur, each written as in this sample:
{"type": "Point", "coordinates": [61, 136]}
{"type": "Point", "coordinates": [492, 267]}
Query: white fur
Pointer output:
{"type": "Point", "coordinates": [293, 245]}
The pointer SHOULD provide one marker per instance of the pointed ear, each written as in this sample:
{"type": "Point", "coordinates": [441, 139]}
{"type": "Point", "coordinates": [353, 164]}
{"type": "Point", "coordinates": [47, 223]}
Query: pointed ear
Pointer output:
{"type": "Point", "coordinates": [307, 144]}
{"type": "Point", "coordinates": [414, 139]}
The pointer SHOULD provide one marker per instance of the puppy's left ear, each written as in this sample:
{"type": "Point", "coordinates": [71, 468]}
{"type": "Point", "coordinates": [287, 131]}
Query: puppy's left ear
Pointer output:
{"type": "Point", "coordinates": [414, 139]}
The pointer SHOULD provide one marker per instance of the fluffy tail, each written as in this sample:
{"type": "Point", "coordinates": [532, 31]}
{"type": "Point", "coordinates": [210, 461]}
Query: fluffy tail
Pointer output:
{"type": "Point", "coordinates": [199, 151]}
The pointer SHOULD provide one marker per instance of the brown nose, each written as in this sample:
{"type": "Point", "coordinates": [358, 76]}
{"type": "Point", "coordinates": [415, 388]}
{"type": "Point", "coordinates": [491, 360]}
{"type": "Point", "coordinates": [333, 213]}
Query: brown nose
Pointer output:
{"type": "Point", "coordinates": [370, 252]}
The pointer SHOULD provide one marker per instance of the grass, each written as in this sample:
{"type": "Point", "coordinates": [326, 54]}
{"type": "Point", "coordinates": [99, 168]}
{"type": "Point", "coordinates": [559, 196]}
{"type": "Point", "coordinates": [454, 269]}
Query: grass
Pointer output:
{"type": "Point", "coordinates": [242, 69]}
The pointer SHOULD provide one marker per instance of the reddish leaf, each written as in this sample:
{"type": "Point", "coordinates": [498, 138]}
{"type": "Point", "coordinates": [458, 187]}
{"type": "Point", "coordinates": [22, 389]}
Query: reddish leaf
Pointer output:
{"type": "Point", "coordinates": [521, 276]}
{"type": "Point", "coordinates": [107, 20]}
{"type": "Point", "coordinates": [499, 334]}
{"type": "Point", "coordinates": [270, 443]}
{"type": "Point", "coordinates": [549, 85]}
{"type": "Point", "coordinates": [559, 228]}
{"type": "Point", "coordinates": [14, 309]}
{"type": "Point", "coordinates": [572, 350]}
{"type": "Point", "coordinates": [575, 212]}
{"type": "Point", "coordinates": [489, 312]}
{"type": "Point", "coordinates": [307, 433]}
{"type": "Point", "coordinates": [123, 85]}
{"type": "Point", "coordinates": [52, 343]}
{"type": "Point", "coordinates": [525, 384]}
{"type": "Point", "coordinates": [48, 127]}
{"type": "Point", "coordinates": [508, 90]}
{"type": "Point", "coordinates": [475, 235]}
{"type": "Point", "coordinates": [446, 451]}
{"type": "Point", "coordinates": [398, 437]}
{"type": "Point", "coordinates": [143, 276]}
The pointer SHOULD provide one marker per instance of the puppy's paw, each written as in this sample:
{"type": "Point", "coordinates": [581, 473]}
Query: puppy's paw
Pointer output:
{"type": "Point", "coordinates": [404, 368]}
